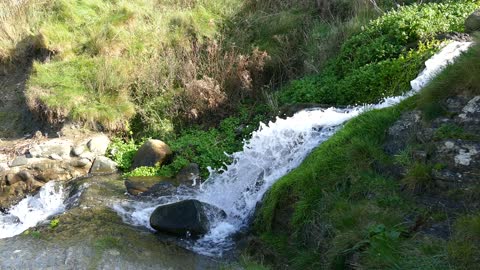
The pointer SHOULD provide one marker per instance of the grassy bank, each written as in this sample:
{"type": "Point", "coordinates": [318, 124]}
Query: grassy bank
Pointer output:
{"type": "Point", "coordinates": [155, 67]}
{"type": "Point", "coordinates": [401, 40]}
{"type": "Point", "coordinates": [201, 74]}
{"type": "Point", "coordinates": [339, 209]}
{"type": "Point", "coordinates": [383, 58]}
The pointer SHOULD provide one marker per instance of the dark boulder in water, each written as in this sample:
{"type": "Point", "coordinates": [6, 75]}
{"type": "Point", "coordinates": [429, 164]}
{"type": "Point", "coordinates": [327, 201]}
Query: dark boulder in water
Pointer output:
{"type": "Point", "coordinates": [189, 217]}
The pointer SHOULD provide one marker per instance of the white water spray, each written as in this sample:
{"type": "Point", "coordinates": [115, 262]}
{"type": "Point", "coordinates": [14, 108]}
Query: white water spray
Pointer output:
{"type": "Point", "coordinates": [273, 151]}
{"type": "Point", "coordinates": [32, 210]}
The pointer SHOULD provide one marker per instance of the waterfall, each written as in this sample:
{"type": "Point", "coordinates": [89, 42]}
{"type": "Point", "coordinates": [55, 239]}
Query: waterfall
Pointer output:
{"type": "Point", "coordinates": [273, 150]}
{"type": "Point", "coordinates": [33, 209]}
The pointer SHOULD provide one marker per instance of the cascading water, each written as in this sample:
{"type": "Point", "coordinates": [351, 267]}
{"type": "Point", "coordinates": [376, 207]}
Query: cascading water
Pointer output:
{"type": "Point", "coordinates": [32, 210]}
{"type": "Point", "coordinates": [273, 151]}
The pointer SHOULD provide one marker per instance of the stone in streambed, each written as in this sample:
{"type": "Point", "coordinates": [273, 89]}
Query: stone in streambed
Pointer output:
{"type": "Point", "coordinates": [163, 188]}
{"type": "Point", "coordinates": [19, 161]}
{"type": "Point", "coordinates": [146, 185]}
{"type": "Point", "coordinates": [4, 167]}
{"type": "Point", "coordinates": [46, 149]}
{"type": "Point", "coordinates": [78, 150]}
{"type": "Point", "coordinates": [151, 153]}
{"type": "Point", "coordinates": [184, 217]}
{"type": "Point", "coordinates": [98, 145]}
{"type": "Point", "coordinates": [103, 165]}
{"type": "Point", "coordinates": [80, 163]}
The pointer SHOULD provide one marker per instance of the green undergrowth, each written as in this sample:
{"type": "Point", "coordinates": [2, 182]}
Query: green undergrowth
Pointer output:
{"type": "Point", "coordinates": [338, 210]}
{"type": "Point", "coordinates": [206, 147]}
{"type": "Point", "coordinates": [464, 247]}
{"type": "Point", "coordinates": [338, 200]}
{"type": "Point", "coordinates": [383, 57]}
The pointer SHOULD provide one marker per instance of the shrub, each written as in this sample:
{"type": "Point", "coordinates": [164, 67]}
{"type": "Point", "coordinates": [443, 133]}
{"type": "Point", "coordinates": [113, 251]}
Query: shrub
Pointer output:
{"type": "Point", "coordinates": [122, 152]}
{"type": "Point", "coordinates": [207, 148]}
{"type": "Point", "coordinates": [398, 44]}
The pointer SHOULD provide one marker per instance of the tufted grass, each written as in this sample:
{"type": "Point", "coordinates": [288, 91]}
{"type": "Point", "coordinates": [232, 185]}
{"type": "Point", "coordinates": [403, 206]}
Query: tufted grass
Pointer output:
{"type": "Point", "coordinates": [165, 46]}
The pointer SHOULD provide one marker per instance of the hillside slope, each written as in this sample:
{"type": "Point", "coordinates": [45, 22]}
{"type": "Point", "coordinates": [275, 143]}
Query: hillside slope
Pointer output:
{"type": "Point", "coordinates": [394, 189]}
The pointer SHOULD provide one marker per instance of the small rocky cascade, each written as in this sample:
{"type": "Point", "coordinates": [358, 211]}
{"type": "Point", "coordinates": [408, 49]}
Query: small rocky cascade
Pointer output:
{"type": "Point", "coordinates": [274, 150]}
{"type": "Point", "coordinates": [33, 209]}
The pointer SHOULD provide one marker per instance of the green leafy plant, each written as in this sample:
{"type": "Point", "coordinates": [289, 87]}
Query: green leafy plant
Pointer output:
{"type": "Point", "coordinates": [122, 152]}
{"type": "Point", "coordinates": [143, 171]}
{"type": "Point", "coordinates": [54, 223]}
{"type": "Point", "coordinates": [398, 44]}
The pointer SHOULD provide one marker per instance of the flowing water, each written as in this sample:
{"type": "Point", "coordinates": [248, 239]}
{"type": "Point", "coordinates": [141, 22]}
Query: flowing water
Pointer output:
{"type": "Point", "coordinates": [32, 210]}
{"type": "Point", "coordinates": [274, 150]}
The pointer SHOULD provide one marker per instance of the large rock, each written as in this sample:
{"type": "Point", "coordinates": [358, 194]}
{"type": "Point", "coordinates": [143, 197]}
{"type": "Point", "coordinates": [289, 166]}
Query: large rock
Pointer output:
{"type": "Point", "coordinates": [46, 149]}
{"type": "Point", "coordinates": [152, 152]}
{"type": "Point", "coordinates": [189, 217]}
{"type": "Point", "coordinates": [4, 167]}
{"type": "Point", "coordinates": [460, 163]}
{"type": "Point", "coordinates": [19, 161]}
{"type": "Point", "coordinates": [472, 23]}
{"type": "Point", "coordinates": [103, 165]}
{"type": "Point", "coordinates": [161, 189]}
{"type": "Point", "coordinates": [98, 145]}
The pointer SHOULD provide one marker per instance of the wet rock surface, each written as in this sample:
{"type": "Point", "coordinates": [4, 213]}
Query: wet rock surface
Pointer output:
{"type": "Point", "coordinates": [189, 217]}
{"type": "Point", "coordinates": [103, 165]}
{"type": "Point", "coordinates": [150, 186]}
{"type": "Point", "coordinates": [92, 236]}
{"type": "Point", "coordinates": [189, 175]}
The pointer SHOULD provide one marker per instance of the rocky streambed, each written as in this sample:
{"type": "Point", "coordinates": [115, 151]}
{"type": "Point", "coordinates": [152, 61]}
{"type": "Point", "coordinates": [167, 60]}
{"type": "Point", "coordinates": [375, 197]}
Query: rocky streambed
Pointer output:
{"type": "Point", "coordinates": [91, 235]}
{"type": "Point", "coordinates": [27, 165]}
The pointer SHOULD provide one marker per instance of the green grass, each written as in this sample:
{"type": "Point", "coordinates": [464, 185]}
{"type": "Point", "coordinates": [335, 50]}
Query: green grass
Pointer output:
{"type": "Point", "coordinates": [418, 177]}
{"type": "Point", "coordinates": [337, 209]}
{"type": "Point", "coordinates": [90, 90]}
{"type": "Point", "coordinates": [459, 79]}
{"type": "Point", "coordinates": [383, 58]}
{"type": "Point", "coordinates": [345, 211]}
{"type": "Point", "coordinates": [464, 248]}
{"type": "Point", "coordinates": [107, 56]}
{"type": "Point", "coordinates": [161, 50]}
{"type": "Point", "coordinates": [449, 131]}
{"type": "Point", "coordinates": [206, 147]}
{"type": "Point", "coordinates": [338, 196]}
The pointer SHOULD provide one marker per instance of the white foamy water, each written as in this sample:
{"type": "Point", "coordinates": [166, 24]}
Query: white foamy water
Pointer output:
{"type": "Point", "coordinates": [274, 150]}
{"type": "Point", "coordinates": [32, 210]}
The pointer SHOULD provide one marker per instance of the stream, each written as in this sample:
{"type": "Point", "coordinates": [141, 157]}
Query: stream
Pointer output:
{"type": "Point", "coordinates": [103, 228]}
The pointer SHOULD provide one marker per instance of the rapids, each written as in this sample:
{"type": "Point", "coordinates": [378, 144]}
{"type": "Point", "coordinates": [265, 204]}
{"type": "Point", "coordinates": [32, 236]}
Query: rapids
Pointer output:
{"type": "Point", "coordinates": [274, 150]}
